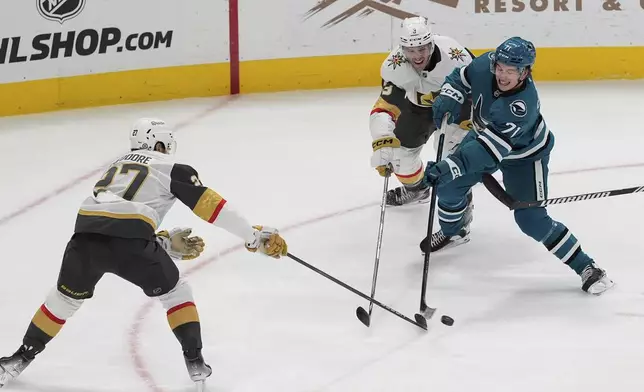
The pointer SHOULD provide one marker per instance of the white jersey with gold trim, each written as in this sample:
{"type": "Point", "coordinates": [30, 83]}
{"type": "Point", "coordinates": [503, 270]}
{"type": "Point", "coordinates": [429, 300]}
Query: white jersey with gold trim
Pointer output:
{"type": "Point", "coordinates": [137, 191]}
{"type": "Point", "coordinates": [136, 186]}
{"type": "Point", "coordinates": [422, 87]}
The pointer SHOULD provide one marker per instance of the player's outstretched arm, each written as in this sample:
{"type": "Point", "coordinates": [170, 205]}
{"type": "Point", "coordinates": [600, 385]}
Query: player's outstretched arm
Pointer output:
{"type": "Point", "coordinates": [213, 208]}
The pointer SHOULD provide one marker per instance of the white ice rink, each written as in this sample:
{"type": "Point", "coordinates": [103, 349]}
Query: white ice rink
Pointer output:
{"type": "Point", "coordinates": [300, 162]}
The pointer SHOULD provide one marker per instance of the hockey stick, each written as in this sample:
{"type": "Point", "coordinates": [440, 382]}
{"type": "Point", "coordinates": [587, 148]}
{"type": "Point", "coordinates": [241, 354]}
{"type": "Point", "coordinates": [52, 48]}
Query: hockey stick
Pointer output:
{"type": "Point", "coordinates": [426, 311]}
{"type": "Point", "coordinates": [346, 286]}
{"type": "Point", "coordinates": [497, 191]}
{"type": "Point", "coordinates": [363, 315]}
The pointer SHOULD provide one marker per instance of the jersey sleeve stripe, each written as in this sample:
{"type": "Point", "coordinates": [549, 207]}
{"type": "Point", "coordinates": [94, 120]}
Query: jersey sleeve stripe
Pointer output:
{"type": "Point", "coordinates": [453, 168]}
{"type": "Point", "coordinates": [215, 214]}
{"type": "Point", "coordinates": [540, 128]}
{"type": "Point", "coordinates": [209, 205]}
{"type": "Point", "coordinates": [464, 80]}
{"type": "Point", "coordinates": [383, 106]}
{"type": "Point", "coordinates": [544, 134]}
{"type": "Point", "coordinates": [487, 133]}
{"type": "Point", "coordinates": [489, 147]}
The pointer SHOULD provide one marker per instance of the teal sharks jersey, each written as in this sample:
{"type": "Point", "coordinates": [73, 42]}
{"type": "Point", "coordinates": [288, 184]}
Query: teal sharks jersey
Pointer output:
{"type": "Point", "coordinates": [508, 125]}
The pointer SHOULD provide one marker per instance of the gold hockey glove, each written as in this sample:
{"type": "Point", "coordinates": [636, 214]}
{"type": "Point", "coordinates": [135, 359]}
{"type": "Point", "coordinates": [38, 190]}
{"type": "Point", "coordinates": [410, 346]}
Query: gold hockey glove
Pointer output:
{"type": "Point", "coordinates": [179, 245]}
{"type": "Point", "coordinates": [268, 241]}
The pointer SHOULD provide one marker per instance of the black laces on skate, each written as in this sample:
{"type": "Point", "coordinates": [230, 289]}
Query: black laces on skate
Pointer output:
{"type": "Point", "coordinates": [438, 238]}
{"type": "Point", "coordinates": [587, 273]}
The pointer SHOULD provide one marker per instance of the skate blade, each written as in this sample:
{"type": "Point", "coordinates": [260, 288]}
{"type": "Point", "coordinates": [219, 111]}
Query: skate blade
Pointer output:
{"type": "Point", "coordinates": [5, 377]}
{"type": "Point", "coordinates": [201, 386]}
{"type": "Point", "coordinates": [601, 286]}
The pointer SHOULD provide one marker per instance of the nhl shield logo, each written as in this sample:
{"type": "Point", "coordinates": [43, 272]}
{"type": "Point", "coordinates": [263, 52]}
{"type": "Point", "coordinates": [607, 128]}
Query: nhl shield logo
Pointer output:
{"type": "Point", "coordinates": [60, 10]}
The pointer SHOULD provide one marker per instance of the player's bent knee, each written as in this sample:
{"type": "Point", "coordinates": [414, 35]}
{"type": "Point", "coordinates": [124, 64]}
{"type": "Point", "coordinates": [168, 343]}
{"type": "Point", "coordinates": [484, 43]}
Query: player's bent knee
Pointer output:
{"type": "Point", "coordinates": [62, 306]}
{"type": "Point", "coordinates": [180, 294]}
{"type": "Point", "coordinates": [534, 222]}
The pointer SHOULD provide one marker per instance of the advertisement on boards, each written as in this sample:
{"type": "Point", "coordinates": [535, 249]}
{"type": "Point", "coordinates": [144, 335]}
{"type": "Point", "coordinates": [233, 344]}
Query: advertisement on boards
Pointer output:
{"type": "Point", "coordinates": [85, 42]}
{"type": "Point", "coordinates": [484, 23]}
{"type": "Point", "coordinates": [395, 8]}
{"type": "Point", "coordinates": [53, 38]}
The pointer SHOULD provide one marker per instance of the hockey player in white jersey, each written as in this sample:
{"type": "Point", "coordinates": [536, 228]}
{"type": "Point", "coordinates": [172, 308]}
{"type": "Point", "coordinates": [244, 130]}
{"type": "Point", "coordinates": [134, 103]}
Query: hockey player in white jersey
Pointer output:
{"type": "Point", "coordinates": [115, 232]}
{"type": "Point", "coordinates": [401, 120]}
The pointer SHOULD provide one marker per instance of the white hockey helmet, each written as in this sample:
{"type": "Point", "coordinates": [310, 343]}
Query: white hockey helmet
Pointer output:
{"type": "Point", "coordinates": [416, 31]}
{"type": "Point", "coordinates": [147, 132]}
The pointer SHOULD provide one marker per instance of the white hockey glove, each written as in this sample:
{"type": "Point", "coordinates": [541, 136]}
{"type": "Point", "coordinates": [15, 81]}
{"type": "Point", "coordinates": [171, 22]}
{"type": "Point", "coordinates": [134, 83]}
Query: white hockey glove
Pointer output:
{"type": "Point", "coordinates": [385, 153]}
{"type": "Point", "coordinates": [179, 245]}
{"type": "Point", "coordinates": [268, 241]}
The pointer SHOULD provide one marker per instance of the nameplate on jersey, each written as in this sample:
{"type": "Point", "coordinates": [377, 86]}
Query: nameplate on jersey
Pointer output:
{"type": "Point", "coordinates": [134, 157]}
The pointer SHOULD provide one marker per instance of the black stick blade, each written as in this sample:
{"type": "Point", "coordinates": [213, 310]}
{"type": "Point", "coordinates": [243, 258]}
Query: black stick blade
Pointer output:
{"type": "Point", "coordinates": [363, 316]}
{"type": "Point", "coordinates": [421, 320]}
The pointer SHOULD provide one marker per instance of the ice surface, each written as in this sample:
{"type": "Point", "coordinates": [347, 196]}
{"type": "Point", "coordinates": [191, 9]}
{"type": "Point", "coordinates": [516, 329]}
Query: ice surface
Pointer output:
{"type": "Point", "coordinates": [299, 161]}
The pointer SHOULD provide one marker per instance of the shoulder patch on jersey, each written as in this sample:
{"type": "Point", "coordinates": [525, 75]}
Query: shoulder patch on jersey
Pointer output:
{"type": "Point", "coordinates": [456, 54]}
{"type": "Point", "coordinates": [396, 60]}
{"type": "Point", "coordinates": [518, 108]}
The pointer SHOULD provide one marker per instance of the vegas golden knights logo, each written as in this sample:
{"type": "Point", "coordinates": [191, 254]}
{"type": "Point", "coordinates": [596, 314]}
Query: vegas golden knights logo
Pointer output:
{"type": "Point", "coordinates": [60, 10]}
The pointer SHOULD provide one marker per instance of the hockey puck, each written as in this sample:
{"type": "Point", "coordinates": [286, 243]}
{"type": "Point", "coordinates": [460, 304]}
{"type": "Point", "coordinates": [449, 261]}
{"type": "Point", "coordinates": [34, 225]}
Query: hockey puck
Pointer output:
{"type": "Point", "coordinates": [447, 320]}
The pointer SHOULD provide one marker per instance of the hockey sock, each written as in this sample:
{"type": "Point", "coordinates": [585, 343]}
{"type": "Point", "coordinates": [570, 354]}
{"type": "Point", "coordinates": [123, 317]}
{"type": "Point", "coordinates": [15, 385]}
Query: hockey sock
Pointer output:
{"type": "Point", "coordinates": [450, 217]}
{"type": "Point", "coordinates": [43, 328]}
{"type": "Point", "coordinates": [49, 320]}
{"type": "Point", "coordinates": [413, 180]}
{"type": "Point", "coordinates": [563, 244]}
{"type": "Point", "coordinates": [184, 322]}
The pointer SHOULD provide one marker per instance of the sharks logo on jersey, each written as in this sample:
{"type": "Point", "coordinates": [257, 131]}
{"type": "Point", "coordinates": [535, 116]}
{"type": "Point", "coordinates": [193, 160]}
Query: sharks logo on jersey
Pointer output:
{"type": "Point", "coordinates": [510, 129]}
{"type": "Point", "coordinates": [518, 108]}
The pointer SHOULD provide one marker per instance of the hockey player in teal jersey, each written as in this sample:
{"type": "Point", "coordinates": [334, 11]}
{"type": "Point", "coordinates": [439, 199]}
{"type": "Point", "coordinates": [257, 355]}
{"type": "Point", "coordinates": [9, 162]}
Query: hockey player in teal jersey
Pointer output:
{"type": "Point", "coordinates": [511, 136]}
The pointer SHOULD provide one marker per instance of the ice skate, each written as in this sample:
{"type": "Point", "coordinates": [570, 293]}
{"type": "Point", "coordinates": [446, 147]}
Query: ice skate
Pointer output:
{"type": "Point", "coordinates": [594, 280]}
{"type": "Point", "coordinates": [441, 241]}
{"type": "Point", "coordinates": [198, 370]}
{"type": "Point", "coordinates": [11, 367]}
{"type": "Point", "coordinates": [405, 196]}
